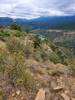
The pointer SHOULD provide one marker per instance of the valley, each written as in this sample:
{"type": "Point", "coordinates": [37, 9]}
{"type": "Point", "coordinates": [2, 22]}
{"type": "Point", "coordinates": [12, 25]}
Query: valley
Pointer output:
{"type": "Point", "coordinates": [64, 38]}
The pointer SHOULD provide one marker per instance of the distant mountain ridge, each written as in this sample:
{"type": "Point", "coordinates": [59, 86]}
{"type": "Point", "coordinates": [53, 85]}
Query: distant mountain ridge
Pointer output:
{"type": "Point", "coordinates": [49, 22]}
{"type": "Point", "coordinates": [6, 21]}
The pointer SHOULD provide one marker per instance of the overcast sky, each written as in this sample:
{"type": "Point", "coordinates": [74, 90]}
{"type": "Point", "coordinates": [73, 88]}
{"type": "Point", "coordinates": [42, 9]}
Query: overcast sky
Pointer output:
{"type": "Point", "coordinates": [36, 8]}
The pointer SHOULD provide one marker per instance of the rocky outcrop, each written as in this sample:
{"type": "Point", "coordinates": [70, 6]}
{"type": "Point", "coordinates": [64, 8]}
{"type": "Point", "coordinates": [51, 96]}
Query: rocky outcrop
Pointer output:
{"type": "Point", "coordinates": [40, 95]}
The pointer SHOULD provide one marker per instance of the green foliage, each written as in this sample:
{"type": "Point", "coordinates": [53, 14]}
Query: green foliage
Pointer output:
{"type": "Point", "coordinates": [53, 46]}
{"type": "Point", "coordinates": [4, 61]}
{"type": "Point", "coordinates": [72, 69]}
{"type": "Point", "coordinates": [2, 95]}
{"type": "Point", "coordinates": [19, 34]}
{"type": "Point", "coordinates": [44, 55]}
{"type": "Point", "coordinates": [54, 58]}
{"type": "Point", "coordinates": [25, 79]}
{"type": "Point", "coordinates": [19, 73]}
{"type": "Point", "coordinates": [37, 41]}
{"type": "Point", "coordinates": [21, 48]}
{"type": "Point", "coordinates": [71, 65]}
{"type": "Point", "coordinates": [4, 34]}
{"type": "Point", "coordinates": [14, 26]}
{"type": "Point", "coordinates": [14, 45]}
{"type": "Point", "coordinates": [28, 51]}
{"type": "Point", "coordinates": [37, 55]}
{"type": "Point", "coordinates": [14, 66]}
{"type": "Point", "coordinates": [12, 63]}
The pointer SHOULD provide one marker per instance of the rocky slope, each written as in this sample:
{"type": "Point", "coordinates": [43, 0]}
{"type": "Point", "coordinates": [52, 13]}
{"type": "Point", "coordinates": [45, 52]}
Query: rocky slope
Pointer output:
{"type": "Point", "coordinates": [33, 68]}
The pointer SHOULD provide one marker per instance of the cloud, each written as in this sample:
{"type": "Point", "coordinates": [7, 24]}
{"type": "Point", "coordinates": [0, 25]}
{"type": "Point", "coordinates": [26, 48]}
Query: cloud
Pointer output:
{"type": "Point", "coordinates": [36, 8]}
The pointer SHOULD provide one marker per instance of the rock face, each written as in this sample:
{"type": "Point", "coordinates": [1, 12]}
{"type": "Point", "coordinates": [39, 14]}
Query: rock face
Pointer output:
{"type": "Point", "coordinates": [65, 97]}
{"type": "Point", "coordinates": [40, 95]}
{"type": "Point", "coordinates": [58, 88]}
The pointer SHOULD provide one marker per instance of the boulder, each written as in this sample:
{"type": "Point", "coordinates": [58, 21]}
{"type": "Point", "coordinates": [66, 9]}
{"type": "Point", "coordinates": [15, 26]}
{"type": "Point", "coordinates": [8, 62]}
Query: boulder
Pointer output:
{"type": "Point", "coordinates": [40, 95]}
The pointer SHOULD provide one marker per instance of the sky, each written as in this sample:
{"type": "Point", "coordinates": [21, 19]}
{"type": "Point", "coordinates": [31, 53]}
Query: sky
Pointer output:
{"type": "Point", "coordinates": [36, 8]}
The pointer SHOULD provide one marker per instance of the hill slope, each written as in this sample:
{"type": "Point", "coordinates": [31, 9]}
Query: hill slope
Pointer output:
{"type": "Point", "coordinates": [29, 62]}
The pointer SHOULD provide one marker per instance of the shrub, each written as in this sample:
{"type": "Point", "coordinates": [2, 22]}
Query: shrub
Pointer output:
{"type": "Point", "coordinates": [13, 65]}
{"type": "Point", "coordinates": [14, 45]}
{"type": "Point", "coordinates": [19, 73]}
{"type": "Point", "coordinates": [15, 27]}
{"type": "Point", "coordinates": [25, 79]}
{"type": "Point", "coordinates": [4, 34]}
{"type": "Point", "coordinates": [54, 58]}
{"type": "Point", "coordinates": [19, 34]}
{"type": "Point", "coordinates": [37, 55]}
{"type": "Point", "coordinates": [4, 61]}
{"type": "Point", "coordinates": [44, 55]}
{"type": "Point", "coordinates": [28, 52]}
{"type": "Point", "coordinates": [2, 95]}
{"type": "Point", "coordinates": [37, 41]}
{"type": "Point", "coordinates": [71, 65]}
{"type": "Point", "coordinates": [72, 69]}
{"type": "Point", "coordinates": [53, 46]}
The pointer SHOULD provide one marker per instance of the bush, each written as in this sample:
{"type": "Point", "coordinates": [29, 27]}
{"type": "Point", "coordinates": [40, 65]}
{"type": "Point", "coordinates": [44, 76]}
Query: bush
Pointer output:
{"type": "Point", "coordinates": [13, 65]}
{"type": "Point", "coordinates": [19, 73]}
{"type": "Point", "coordinates": [2, 95]}
{"type": "Point", "coordinates": [25, 79]}
{"type": "Point", "coordinates": [44, 55]}
{"type": "Point", "coordinates": [4, 61]}
{"type": "Point", "coordinates": [37, 41]}
{"type": "Point", "coordinates": [19, 34]}
{"type": "Point", "coordinates": [4, 34]}
{"type": "Point", "coordinates": [15, 27]}
{"type": "Point", "coordinates": [72, 69]}
{"type": "Point", "coordinates": [37, 55]}
{"type": "Point", "coordinates": [28, 51]}
{"type": "Point", "coordinates": [14, 45]}
{"type": "Point", "coordinates": [71, 65]}
{"type": "Point", "coordinates": [54, 58]}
